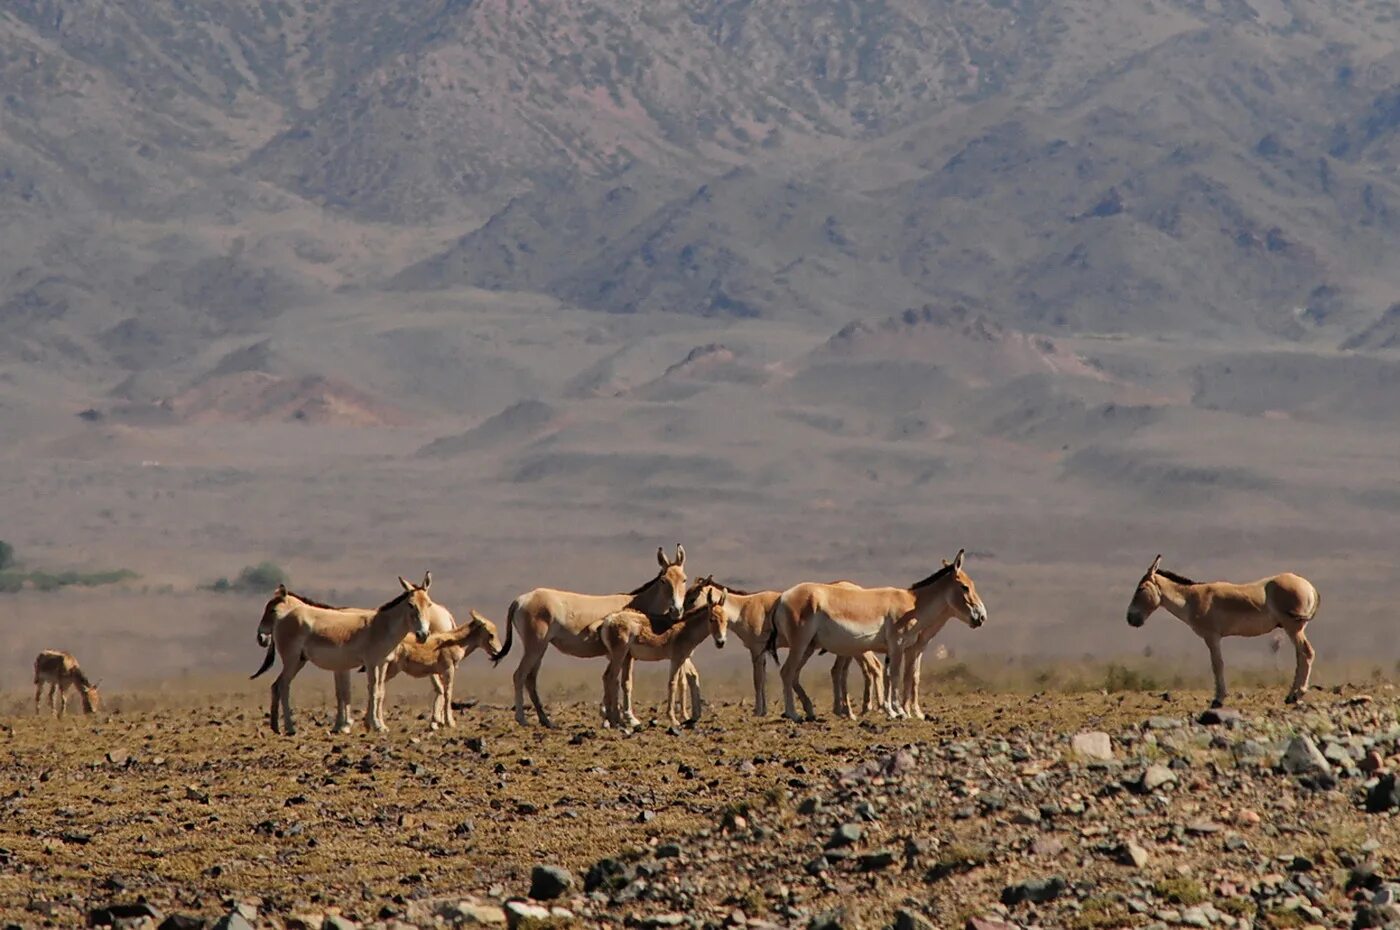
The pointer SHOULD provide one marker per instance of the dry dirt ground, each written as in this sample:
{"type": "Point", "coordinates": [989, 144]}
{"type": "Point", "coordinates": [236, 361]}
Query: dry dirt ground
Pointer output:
{"type": "Point", "coordinates": [187, 799]}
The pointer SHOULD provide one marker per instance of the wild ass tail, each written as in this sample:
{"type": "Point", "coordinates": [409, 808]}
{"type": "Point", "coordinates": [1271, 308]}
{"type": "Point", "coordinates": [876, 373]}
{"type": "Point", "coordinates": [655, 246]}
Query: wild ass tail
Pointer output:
{"type": "Point", "coordinates": [771, 646]}
{"type": "Point", "coordinates": [510, 633]}
{"type": "Point", "coordinates": [1317, 605]}
{"type": "Point", "coordinates": [267, 661]}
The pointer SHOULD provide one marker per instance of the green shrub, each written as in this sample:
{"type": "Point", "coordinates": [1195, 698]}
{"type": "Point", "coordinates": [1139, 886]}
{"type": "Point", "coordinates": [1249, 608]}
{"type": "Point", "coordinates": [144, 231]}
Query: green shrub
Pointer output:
{"type": "Point", "coordinates": [7, 555]}
{"type": "Point", "coordinates": [260, 577]}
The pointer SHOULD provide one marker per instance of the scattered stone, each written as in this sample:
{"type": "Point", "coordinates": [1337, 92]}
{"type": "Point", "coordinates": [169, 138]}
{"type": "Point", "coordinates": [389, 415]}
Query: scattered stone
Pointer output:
{"type": "Point", "coordinates": [905, 919]}
{"type": "Point", "coordinates": [668, 851]}
{"type": "Point", "coordinates": [1093, 744]}
{"type": "Point", "coordinates": [1217, 716]}
{"type": "Point", "coordinates": [1036, 891]}
{"type": "Point", "coordinates": [988, 923]}
{"type": "Point", "coordinates": [118, 756]}
{"type": "Point", "coordinates": [876, 860]}
{"type": "Point", "coordinates": [233, 920]}
{"type": "Point", "coordinates": [1026, 816]}
{"type": "Point", "coordinates": [182, 922]}
{"type": "Point", "coordinates": [665, 920]}
{"type": "Point", "coordinates": [1047, 846]}
{"type": "Point", "coordinates": [1132, 854]}
{"type": "Point", "coordinates": [1203, 827]}
{"type": "Point", "coordinates": [1384, 795]}
{"type": "Point", "coordinates": [108, 915]}
{"type": "Point", "coordinates": [1302, 757]}
{"type": "Point", "coordinates": [520, 913]}
{"type": "Point", "coordinates": [1371, 763]}
{"type": "Point", "coordinates": [548, 882]}
{"type": "Point", "coordinates": [337, 922]}
{"type": "Point", "coordinates": [467, 914]}
{"type": "Point", "coordinates": [848, 834]}
{"type": "Point", "coordinates": [196, 794]}
{"type": "Point", "coordinates": [835, 920]}
{"type": "Point", "coordinates": [1155, 777]}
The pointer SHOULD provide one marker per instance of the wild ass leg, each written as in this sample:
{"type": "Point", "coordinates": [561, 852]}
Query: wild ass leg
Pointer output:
{"type": "Point", "coordinates": [872, 668]}
{"type": "Point", "coordinates": [610, 697]}
{"type": "Point", "coordinates": [1304, 653]}
{"type": "Point", "coordinates": [760, 684]}
{"type": "Point", "coordinates": [673, 693]}
{"type": "Point", "coordinates": [449, 679]}
{"type": "Point", "coordinates": [282, 691]}
{"type": "Point", "coordinates": [62, 701]}
{"type": "Point", "coordinates": [629, 664]}
{"type": "Point", "coordinates": [1217, 668]}
{"type": "Point", "coordinates": [912, 698]}
{"type": "Point", "coordinates": [374, 675]}
{"type": "Point", "coordinates": [438, 717]}
{"type": "Point", "coordinates": [342, 703]}
{"type": "Point", "coordinates": [802, 648]}
{"type": "Point", "coordinates": [840, 677]}
{"type": "Point", "coordinates": [697, 705]}
{"type": "Point", "coordinates": [38, 691]}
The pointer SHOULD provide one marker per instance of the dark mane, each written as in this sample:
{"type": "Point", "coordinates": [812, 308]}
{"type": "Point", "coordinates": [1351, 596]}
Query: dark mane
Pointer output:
{"type": "Point", "coordinates": [1179, 579]}
{"type": "Point", "coordinates": [636, 591]}
{"type": "Point", "coordinates": [307, 600]}
{"type": "Point", "coordinates": [395, 602]}
{"type": "Point", "coordinates": [692, 595]}
{"type": "Point", "coordinates": [945, 570]}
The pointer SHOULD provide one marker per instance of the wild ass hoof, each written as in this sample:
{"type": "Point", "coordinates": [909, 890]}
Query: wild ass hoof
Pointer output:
{"type": "Point", "coordinates": [1216, 704]}
{"type": "Point", "coordinates": [1293, 697]}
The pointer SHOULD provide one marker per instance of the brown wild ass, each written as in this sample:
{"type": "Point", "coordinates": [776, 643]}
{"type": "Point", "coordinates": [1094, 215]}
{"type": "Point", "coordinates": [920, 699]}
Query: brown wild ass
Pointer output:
{"type": "Point", "coordinates": [850, 620]}
{"type": "Point", "coordinates": [570, 622]}
{"type": "Point", "coordinates": [340, 640]}
{"type": "Point", "coordinates": [627, 636]}
{"type": "Point", "coordinates": [1218, 609]}
{"type": "Point", "coordinates": [438, 659]}
{"type": "Point", "coordinates": [60, 672]}
{"type": "Point", "coordinates": [750, 617]}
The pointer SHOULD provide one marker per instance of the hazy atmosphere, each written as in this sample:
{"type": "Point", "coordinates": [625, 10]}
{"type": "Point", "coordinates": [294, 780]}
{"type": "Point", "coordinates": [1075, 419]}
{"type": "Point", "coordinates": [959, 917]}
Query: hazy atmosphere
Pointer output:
{"type": "Point", "coordinates": [329, 292]}
{"type": "Point", "coordinates": [518, 292]}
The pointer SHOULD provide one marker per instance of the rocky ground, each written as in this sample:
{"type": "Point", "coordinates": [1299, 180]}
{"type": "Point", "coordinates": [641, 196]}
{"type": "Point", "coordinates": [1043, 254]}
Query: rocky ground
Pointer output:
{"type": "Point", "coordinates": [1048, 810]}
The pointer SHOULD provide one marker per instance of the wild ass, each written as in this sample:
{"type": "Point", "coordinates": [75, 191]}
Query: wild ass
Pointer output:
{"type": "Point", "coordinates": [60, 671]}
{"type": "Point", "coordinates": [438, 659]}
{"type": "Point", "coordinates": [750, 617]}
{"type": "Point", "coordinates": [850, 620]}
{"type": "Point", "coordinates": [340, 640]}
{"type": "Point", "coordinates": [627, 636]}
{"type": "Point", "coordinates": [570, 622]}
{"type": "Point", "coordinates": [1217, 609]}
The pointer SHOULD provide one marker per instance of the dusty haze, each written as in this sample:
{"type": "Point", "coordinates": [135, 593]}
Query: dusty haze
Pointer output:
{"type": "Point", "coordinates": [518, 293]}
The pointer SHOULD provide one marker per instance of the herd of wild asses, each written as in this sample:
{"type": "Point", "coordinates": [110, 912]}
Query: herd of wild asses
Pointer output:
{"type": "Point", "coordinates": [666, 619]}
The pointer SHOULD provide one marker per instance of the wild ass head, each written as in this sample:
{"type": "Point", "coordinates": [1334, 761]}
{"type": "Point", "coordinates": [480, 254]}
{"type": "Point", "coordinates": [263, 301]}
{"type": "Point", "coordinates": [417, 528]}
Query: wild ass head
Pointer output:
{"type": "Point", "coordinates": [417, 602]}
{"type": "Point", "coordinates": [92, 701]}
{"type": "Point", "coordinates": [482, 636]}
{"type": "Point", "coordinates": [1148, 596]}
{"type": "Point", "coordinates": [716, 615]}
{"type": "Point", "coordinates": [664, 595]}
{"type": "Point", "coordinates": [956, 586]}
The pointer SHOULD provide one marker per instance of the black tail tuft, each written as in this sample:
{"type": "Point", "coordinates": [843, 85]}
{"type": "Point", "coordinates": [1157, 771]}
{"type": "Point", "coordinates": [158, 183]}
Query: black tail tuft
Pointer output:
{"type": "Point", "coordinates": [510, 634]}
{"type": "Point", "coordinates": [772, 645]}
{"type": "Point", "coordinates": [267, 661]}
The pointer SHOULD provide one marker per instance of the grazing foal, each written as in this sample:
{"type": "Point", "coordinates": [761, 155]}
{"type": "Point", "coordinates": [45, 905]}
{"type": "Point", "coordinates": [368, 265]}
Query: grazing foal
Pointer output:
{"type": "Point", "coordinates": [627, 635]}
{"type": "Point", "coordinates": [60, 672]}
{"type": "Point", "coordinates": [438, 659]}
{"type": "Point", "coordinates": [1218, 609]}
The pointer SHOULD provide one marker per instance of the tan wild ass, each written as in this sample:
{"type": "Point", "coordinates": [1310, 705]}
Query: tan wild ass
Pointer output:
{"type": "Point", "coordinates": [627, 636]}
{"type": "Point", "coordinates": [440, 620]}
{"type": "Point", "coordinates": [850, 620]}
{"type": "Point", "coordinates": [438, 659]}
{"type": "Point", "coordinates": [570, 622]}
{"type": "Point", "coordinates": [60, 672]}
{"type": "Point", "coordinates": [750, 617]}
{"type": "Point", "coordinates": [340, 640]}
{"type": "Point", "coordinates": [1218, 609]}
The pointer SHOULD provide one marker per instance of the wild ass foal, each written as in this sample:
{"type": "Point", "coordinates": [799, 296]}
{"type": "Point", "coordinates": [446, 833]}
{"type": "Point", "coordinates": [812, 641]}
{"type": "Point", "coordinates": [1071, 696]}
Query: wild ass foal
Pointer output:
{"type": "Point", "coordinates": [340, 640]}
{"type": "Point", "coordinates": [60, 671]}
{"type": "Point", "coordinates": [438, 659]}
{"type": "Point", "coordinates": [750, 617]}
{"type": "Point", "coordinates": [627, 636]}
{"type": "Point", "coordinates": [848, 620]}
{"type": "Point", "coordinates": [1218, 609]}
{"type": "Point", "coordinates": [571, 622]}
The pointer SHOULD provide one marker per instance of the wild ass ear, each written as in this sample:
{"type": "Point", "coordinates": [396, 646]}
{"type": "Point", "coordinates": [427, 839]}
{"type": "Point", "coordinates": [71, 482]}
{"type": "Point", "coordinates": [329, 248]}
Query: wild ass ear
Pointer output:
{"type": "Point", "coordinates": [406, 585]}
{"type": "Point", "coordinates": [1155, 564]}
{"type": "Point", "coordinates": [661, 557]}
{"type": "Point", "coordinates": [427, 580]}
{"type": "Point", "coordinates": [723, 596]}
{"type": "Point", "coordinates": [680, 555]}
{"type": "Point", "coordinates": [281, 591]}
{"type": "Point", "coordinates": [958, 560]}
{"type": "Point", "coordinates": [477, 619]}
